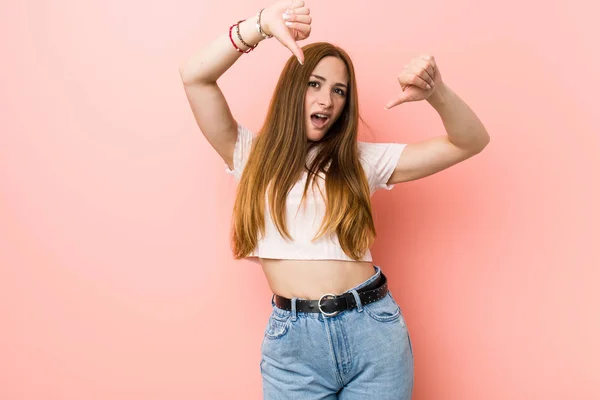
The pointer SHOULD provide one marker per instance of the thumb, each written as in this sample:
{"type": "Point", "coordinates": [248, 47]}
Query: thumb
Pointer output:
{"type": "Point", "coordinates": [291, 44]}
{"type": "Point", "coordinates": [400, 98]}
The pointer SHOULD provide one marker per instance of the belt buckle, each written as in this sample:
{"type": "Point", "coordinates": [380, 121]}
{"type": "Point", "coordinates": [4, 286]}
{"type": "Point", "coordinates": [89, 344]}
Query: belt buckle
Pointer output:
{"type": "Point", "coordinates": [333, 314]}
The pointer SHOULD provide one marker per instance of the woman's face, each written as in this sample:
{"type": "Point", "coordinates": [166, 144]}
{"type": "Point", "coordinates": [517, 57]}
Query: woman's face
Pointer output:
{"type": "Point", "coordinates": [325, 96]}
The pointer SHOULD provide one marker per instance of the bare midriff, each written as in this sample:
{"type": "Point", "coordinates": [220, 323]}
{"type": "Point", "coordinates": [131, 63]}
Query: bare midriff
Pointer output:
{"type": "Point", "coordinates": [311, 279]}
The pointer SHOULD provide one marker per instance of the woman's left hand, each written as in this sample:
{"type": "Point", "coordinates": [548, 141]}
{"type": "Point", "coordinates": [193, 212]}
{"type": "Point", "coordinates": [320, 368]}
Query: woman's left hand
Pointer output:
{"type": "Point", "coordinates": [420, 79]}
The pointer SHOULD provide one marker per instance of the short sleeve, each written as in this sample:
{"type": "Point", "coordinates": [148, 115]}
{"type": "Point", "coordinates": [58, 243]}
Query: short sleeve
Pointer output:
{"type": "Point", "coordinates": [241, 152]}
{"type": "Point", "coordinates": [379, 161]}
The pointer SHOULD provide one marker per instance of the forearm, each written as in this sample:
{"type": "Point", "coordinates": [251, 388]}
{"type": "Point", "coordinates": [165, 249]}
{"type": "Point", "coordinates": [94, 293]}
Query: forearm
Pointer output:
{"type": "Point", "coordinates": [210, 62]}
{"type": "Point", "coordinates": [462, 125]}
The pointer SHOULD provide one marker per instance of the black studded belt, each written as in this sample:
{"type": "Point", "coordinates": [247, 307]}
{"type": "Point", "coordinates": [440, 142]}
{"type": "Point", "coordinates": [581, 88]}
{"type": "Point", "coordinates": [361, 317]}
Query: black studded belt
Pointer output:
{"type": "Point", "coordinates": [330, 304]}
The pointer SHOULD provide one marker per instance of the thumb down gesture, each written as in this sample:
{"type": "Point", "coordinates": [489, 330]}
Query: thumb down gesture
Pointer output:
{"type": "Point", "coordinates": [419, 79]}
{"type": "Point", "coordinates": [288, 21]}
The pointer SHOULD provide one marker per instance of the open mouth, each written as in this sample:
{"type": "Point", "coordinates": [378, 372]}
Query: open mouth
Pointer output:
{"type": "Point", "coordinates": [319, 120]}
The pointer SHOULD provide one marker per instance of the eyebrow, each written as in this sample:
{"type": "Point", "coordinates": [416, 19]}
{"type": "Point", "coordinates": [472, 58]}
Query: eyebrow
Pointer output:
{"type": "Point", "coordinates": [323, 79]}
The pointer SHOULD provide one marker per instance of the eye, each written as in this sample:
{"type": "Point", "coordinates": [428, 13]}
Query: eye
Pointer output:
{"type": "Point", "coordinates": [313, 83]}
{"type": "Point", "coordinates": [340, 92]}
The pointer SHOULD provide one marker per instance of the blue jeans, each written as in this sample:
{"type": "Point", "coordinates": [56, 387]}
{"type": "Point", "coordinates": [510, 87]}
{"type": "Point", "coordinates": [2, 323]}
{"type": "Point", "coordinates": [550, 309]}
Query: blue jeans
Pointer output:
{"type": "Point", "coordinates": [363, 353]}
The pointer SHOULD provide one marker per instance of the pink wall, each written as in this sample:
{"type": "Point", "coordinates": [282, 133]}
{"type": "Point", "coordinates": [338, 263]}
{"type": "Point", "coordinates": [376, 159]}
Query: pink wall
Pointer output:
{"type": "Point", "coordinates": [116, 279]}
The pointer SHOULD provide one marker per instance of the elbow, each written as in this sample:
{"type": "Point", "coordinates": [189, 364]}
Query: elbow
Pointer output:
{"type": "Point", "coordinates": [482, 143]}
{"type": "Point", "coordinates": [481, 146]}
{"type": "Point", "coordinates": [189, 78]}
{"type": "Point", "coordinates": [476, 148]}
{"type": "Point", "coordinates": [485, 142]}
{"type": "Point", "coordinates": [186, 78]}
{"type": "Point", "coordinates": [183, 75]}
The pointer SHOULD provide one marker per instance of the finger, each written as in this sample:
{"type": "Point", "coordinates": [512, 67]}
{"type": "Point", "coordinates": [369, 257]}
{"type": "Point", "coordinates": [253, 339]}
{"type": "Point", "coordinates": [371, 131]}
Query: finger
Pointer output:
{"type": "Point", "coordinates": [428, 68]}
{"type": "Point", "coordinates": [425, 75]}
{"type": "Point", "coordinates": [422, 69]}
{"type": "Point", "coordinates": [297, 4]}
{"type": "Point", "coordinates": [400, 98]}
{"type": "Point", "coordinates": [433, 63]}
{"type": "Point", "coordinates": [304, 19]}
{"type": "Point", "coordinates": [416, 80]}
{"type": "Point", "coordinates": [304, 28]}
{"type": "Point", "coordinates": [430, 60]}
{"type": "Point", "coordinates": [301, 11]}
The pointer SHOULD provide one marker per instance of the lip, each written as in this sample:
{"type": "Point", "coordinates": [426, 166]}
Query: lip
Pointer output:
{"type": "Point", "coordinates": [324, 126]}
{"type": "Point", "coordinates": [322, 113]}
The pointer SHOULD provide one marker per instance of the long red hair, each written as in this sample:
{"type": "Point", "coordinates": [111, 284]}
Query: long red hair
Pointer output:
{"type": "Point", "coordinates": [279, 158]}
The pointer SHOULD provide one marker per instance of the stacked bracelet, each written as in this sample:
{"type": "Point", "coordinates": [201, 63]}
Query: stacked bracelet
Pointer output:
{"type": "Point", "coordinates": [237, 30]}
{"type": "Point", "coordinates": [259, 28]}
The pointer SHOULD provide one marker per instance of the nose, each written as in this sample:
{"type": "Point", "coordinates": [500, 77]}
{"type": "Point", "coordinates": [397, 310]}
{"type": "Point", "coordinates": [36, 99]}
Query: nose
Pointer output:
{"type": "Point", "coordinates": [324, 100]}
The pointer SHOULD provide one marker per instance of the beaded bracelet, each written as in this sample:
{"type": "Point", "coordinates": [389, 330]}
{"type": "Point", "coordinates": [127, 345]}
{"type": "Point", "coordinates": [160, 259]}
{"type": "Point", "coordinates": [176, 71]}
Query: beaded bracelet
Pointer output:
{"type": "Point", "coordinates": [259, 28]}
{"type": "Point", "coordinates": [237, 30]}
{"type": "Point", "coordinates": [250, 48]}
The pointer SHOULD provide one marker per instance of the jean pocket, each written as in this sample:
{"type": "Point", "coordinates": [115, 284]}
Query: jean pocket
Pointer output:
{"type": "Point", "coordinates": [383, 310]}
{"type": "Point", "coordinates": [277, 326]}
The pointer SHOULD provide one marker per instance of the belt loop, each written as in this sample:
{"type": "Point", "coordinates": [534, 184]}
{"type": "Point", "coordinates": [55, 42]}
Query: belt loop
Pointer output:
{"type": "Point", "coordinates": [359, 306]}
{"type": "Point", "coordinates": [294, 313]}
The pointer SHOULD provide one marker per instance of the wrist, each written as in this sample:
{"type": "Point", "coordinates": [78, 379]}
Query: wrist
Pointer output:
{"type": "Point", "coordinates": [440, 95]}
{"type": "Point", "coordinates": [262, 26]}
{"type": "Point", "coordinates": [249, 32]}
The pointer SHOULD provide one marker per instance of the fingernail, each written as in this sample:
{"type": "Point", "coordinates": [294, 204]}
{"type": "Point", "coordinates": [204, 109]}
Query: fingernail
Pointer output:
{"type": "Point", "coordinates": [288, 23]}
{"type": "Point", "coordinates": [428, 87]}
{"type": "Point", "coordinates": [285, 15]}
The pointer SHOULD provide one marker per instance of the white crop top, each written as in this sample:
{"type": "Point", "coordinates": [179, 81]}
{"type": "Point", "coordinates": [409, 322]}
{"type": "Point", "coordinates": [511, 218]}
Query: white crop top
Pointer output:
{"type": "Point", "coordinates": [378, 161]}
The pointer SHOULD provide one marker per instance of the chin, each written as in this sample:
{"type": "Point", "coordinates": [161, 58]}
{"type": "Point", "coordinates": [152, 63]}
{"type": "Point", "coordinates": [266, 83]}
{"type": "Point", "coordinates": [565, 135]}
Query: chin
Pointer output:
{"type": "Point", "coordinates": [315, 136]}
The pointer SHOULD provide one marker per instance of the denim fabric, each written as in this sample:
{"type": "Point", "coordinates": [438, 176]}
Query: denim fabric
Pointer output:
{"type": "Point", "coordinates": [363, 353]}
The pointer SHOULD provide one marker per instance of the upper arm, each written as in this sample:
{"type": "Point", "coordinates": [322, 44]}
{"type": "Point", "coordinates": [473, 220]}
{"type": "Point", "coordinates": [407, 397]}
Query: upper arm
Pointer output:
{"type": "Point", "coordinates": [425, 158]}
{"type": "Point", "coordinates": [213, 117]}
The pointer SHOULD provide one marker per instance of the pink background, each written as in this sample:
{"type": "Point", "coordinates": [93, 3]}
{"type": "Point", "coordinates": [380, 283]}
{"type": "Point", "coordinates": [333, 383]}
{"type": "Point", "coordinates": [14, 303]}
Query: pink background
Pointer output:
{"type": "Point", "coordinates": [116, 277]}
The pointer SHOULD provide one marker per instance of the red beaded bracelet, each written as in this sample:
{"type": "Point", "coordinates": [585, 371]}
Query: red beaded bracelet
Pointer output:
{"type": "Point", "coordinates": [237, 25]}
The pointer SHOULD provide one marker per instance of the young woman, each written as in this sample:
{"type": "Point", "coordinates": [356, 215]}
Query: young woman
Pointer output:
{"type": "Point", "coordinates": [303, 208]}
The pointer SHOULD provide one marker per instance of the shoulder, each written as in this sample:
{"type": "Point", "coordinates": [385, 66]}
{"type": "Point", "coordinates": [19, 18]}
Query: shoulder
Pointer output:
{"type": "Point", "coordinates": [244, 132]}
{"type": "Point", "coordinates": [379, 160]}
{"type": "Point", "coordinates": [373, 154]}
{"type": "Point", "coordinates": [241, 151]}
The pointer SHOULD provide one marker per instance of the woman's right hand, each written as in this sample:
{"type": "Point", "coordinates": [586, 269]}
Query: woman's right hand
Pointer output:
{"type": "Point", "coordinates": [288, 21]}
